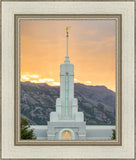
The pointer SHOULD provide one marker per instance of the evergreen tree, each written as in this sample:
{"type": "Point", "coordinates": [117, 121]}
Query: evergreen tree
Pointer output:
{"type": "Point", "coordinates": [113, 134]}
{"type": "Point", "coordinates": [26, 132]}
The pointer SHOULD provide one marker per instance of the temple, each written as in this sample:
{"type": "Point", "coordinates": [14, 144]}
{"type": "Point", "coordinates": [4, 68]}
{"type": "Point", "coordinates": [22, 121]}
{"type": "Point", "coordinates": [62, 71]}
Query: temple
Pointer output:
{"type": "Point", "coordinates": [66, 122]}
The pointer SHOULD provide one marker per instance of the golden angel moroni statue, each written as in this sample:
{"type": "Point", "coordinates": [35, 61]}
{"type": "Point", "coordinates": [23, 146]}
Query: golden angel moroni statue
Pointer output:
{"type": "Point", "coordinates": [67, 28]}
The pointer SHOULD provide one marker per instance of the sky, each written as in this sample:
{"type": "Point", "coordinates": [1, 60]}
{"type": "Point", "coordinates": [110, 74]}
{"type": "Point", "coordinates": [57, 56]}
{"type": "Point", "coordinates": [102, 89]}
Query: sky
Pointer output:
{"type": "Point", "coordinates": [92, 50]}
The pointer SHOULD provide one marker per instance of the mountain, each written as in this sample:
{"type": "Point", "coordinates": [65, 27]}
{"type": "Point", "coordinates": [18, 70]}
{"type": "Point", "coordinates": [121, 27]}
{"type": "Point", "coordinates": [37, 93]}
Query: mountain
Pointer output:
{"type": "Point", "coordinates": [38, 100]}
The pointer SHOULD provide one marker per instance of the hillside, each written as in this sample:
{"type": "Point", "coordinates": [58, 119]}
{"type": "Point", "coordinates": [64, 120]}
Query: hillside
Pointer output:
{"type": "Point", "coordinates": [38, 100]}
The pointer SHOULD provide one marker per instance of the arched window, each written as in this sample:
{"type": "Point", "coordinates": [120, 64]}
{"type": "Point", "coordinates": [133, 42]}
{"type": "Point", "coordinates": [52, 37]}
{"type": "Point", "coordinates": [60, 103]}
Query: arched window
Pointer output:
{"type": "Point", "coordinates": [66, 135]}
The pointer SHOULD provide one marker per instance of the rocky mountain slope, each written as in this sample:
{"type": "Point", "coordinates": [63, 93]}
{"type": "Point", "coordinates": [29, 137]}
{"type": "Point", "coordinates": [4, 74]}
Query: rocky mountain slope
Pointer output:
{"type": "Point", "coordinates": [38, 100]}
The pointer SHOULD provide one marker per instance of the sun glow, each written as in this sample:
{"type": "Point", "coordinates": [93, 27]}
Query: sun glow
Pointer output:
{"type": "Point", "coordinates": [92, 49]}
{"type": "Point", "coordinates": [88, 82]}
{"type": "Point", "coordinates": [56, 83]}
{"type": "Point", "coordinates": [50, 81]}
{"type": "Point", "coordinates": [34, 81]}
{"type": "Point", "coordinates": [38, 79]}
{"type": "Point", "coordinates": [24, 78]}
{"type": "Point", "coordinates": [34, 76]}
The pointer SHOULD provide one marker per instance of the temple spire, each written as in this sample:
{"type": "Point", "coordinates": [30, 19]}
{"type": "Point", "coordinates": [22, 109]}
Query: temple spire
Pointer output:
{"type": "Point", "coordinates": [67, 57]}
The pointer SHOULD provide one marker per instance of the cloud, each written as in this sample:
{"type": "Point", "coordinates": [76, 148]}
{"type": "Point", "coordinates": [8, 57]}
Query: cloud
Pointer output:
{"type": "Point", "coordinates": [49, 80]}
{"type": "Point", "coordinates": [56, 83]}
{"type": "Point", "coordinates": [34, 81]}
{"type": "Point", "coordinates": [88, 82]}
{"type": "Point", "coordinates": [76, 80]}
{"type": "Point", "coordinates": [24, 77]}
{"type": "Point", "coordinates": [46, 80]}
{"type": "Point", "coordinates": [42, 81]}
{"type": "Point", "coordinates": [33, 76]}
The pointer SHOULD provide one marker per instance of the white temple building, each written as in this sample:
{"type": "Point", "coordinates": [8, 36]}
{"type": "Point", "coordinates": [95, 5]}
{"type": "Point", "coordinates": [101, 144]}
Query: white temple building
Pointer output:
{"type": "Point", "coordinates": [67, 123]}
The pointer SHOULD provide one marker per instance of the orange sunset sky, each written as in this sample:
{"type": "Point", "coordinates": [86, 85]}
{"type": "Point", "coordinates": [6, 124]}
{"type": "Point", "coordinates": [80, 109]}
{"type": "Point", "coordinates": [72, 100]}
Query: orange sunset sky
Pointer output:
{"type": "Point", "coordinates": [91, 50]}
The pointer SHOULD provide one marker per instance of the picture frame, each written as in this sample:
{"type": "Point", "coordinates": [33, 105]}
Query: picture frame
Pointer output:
{"type": "Point", "coordinates": [14, 148]}
{"type": "Point", "coordinates": [17, 91]}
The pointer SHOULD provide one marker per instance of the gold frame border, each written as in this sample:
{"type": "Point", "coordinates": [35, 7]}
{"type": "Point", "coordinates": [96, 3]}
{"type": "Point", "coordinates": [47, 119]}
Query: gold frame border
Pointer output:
{"type": "Point", "coordinates": [118, 19]}
{"type": "Point", "coordinates": [1, 76]}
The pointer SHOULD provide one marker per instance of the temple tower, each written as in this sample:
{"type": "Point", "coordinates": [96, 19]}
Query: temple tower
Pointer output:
{"type": "Point", "coordinates": [66, 123]}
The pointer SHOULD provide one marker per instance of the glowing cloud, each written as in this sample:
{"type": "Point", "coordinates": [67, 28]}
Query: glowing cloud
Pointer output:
{"type": "Point", "coordinates": [24, 78]}
{"type": "Point", "coordinates": [48, 80]}
{"type": "Point", "coordinates": [76, 80]}
{"type": "Point", "coordinates": [38, 79]}
{"type": "Point", "coordinates": [88, 82]}
{"type": "Point", "coordinates": [33, 76]}
{"type": "Point", "coordinates": [42, 81]}
{"type": "Point", "coordinates": [34, 81]}
{"type": "Point", "coordinates": [56, 83]}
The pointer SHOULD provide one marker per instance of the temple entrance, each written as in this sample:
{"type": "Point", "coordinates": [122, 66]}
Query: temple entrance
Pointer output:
{"type": "Point", "coordinates": [66, 135]}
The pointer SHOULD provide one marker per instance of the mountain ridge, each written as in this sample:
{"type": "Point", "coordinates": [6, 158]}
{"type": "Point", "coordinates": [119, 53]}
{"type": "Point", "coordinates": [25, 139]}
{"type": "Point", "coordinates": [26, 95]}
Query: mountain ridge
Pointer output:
{"type": "Point", "coordinates": [38, 100]}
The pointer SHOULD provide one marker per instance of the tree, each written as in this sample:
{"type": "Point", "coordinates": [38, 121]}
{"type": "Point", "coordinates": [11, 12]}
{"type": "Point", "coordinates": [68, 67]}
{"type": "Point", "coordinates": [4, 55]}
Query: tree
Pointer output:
{"type": "Point", "coordinates": [26, 132]}
{"type": "Point", "coordinates": [113, 134]}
